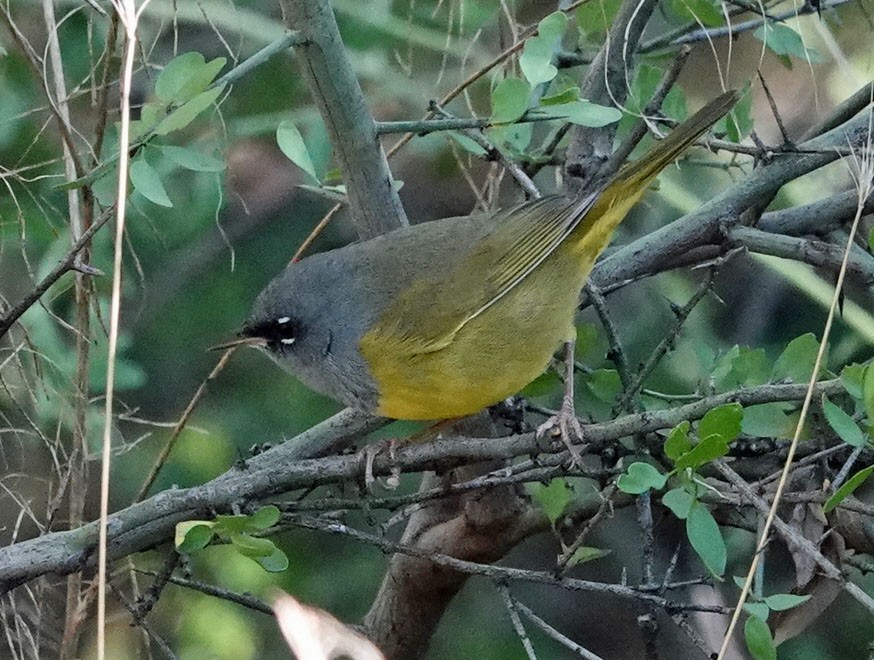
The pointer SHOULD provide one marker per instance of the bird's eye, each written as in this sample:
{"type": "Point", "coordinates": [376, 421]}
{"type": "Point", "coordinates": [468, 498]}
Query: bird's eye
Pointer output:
{"type": "Point", "coordinates": [279, 333]}
{"type": "Point", "coordinates": [284, 331]}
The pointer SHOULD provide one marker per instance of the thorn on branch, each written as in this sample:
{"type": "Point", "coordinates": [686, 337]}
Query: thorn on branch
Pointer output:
{"type": "Point", "coordinates": [86, 269]}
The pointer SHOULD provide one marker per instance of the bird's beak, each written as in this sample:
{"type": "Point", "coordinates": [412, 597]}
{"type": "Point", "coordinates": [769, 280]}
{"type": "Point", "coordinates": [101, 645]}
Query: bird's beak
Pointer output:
{"type": "Point", "coordinates": [256, 342]}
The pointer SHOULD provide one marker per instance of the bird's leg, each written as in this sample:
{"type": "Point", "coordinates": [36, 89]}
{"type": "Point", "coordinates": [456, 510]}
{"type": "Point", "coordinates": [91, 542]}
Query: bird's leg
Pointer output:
{"type": "Point", "coordinates": [565, 422]}
{"type": "Point", "coordinates": [391, 444]}
{"type": "Point", "coordinates": [370, 452]}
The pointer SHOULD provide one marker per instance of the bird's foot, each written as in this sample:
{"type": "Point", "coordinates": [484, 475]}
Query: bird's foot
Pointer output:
{"type": "Point", "coordinates": [565, 424]}
{"type": "Point", "coordinates": [370, 452]}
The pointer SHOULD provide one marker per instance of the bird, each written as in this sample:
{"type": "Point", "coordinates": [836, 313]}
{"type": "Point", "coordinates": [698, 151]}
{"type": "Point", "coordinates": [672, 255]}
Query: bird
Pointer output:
{"type": "Point", "coordinates": [442, 319]}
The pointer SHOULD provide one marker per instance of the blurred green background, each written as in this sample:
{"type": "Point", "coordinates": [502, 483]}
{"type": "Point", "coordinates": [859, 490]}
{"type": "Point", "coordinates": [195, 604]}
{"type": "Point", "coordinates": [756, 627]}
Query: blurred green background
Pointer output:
{"type": "Point", "coordinates": [192, 271]}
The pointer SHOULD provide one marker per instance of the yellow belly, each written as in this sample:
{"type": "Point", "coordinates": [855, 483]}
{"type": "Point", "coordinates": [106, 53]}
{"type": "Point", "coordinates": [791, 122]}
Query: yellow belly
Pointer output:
{"type": "Point", "coordinates": [492, 356]}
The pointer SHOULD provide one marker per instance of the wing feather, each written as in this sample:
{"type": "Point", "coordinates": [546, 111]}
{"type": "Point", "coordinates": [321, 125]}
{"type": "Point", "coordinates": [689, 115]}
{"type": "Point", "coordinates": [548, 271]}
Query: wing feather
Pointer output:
{"type": "Point", "coordinates": [428, 313]}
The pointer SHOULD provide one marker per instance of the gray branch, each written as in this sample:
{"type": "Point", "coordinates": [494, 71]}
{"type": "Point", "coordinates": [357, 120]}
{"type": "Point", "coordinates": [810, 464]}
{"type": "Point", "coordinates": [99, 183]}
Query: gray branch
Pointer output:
{"type": "Point", "coordinates": [709, 223]}
{"type": "Point", "coordinates": [279, 470]}
{"type": "Point", "coordinates": [374, 203]}
{"type": "Point", "coordinates": [605, 82]}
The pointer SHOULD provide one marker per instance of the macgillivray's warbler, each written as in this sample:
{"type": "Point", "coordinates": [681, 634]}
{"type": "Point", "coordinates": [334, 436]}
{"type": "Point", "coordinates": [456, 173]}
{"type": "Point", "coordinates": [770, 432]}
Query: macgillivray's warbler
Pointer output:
{"type": "Point", "coordinates": [445, 318]}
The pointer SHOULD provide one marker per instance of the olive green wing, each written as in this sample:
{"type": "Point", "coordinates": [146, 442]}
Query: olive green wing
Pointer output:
{"type": "Point", "coordinates": [502, 252]}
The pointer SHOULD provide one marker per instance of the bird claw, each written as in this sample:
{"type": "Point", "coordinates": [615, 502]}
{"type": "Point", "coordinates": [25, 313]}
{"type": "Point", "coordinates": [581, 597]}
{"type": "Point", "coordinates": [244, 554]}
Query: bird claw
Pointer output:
{"type": "Point", "coordinates": [564, 424]}
{"type": "Point", "coordinates": [370, 453]}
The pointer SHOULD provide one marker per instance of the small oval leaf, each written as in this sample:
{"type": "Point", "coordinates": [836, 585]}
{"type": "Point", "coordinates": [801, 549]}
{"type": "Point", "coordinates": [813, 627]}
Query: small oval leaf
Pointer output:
{"type": "Point", "coordinates": [147, 182]}
{"type": "Point", "coordinates": [706, 539]}
{"type": "Point", "coordinates": [291, 143]}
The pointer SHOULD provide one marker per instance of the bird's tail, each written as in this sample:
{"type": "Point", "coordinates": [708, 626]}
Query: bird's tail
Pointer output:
{"type": "Point", "coordinates": [639, 174]}
{"type": "Point", "coordinates": [629, 184]}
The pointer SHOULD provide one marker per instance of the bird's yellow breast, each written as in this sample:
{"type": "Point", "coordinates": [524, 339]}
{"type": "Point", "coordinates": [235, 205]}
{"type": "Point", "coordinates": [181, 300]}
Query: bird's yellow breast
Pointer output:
{"type": "Point", "coordinates": [490, 357]}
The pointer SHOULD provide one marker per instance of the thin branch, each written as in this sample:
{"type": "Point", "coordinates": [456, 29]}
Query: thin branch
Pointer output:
{"type": "Point", "coordinates": [567, 642]}
{"type": "Point", "coordinates": [709, 34]}
{"type": "Point", "coordinates": [246, 600]}
{"type": "Point", "coordinates": [794, 538]}
{"type": "Point", "coordinates": [505, 574]}
{"type": "Point", "coordinates": [67, 264]}
{"type": "Point", "coordinates": [860, 265]}
{"type": "Point", "coordinates": [275, 47]}
{"type": "Point", "coordinates": [180, 425]}
{"type": "Point", "coordinates": [667, 343]}
{"type": "Point", "coordinates": [510, 604]}
{"type": "Point", "coordinates": [642, 126]}
{"type": "Point", "coordinates": [496, 154]}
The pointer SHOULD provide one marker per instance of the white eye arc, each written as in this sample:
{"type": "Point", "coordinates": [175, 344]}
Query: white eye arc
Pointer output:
{"type": "Point", "coordinates": [288, 341]}
{"type": "Point", "coordinates": [283, 320]}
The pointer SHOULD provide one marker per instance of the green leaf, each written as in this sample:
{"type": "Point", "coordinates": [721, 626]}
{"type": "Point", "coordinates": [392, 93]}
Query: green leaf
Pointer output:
{"type": "Point", "coordinates": [291, 143]}
{"type": "Point", "coordinates": [723, 421]}
{"type": "Point", "coordinates": [586, 554]}
{"type": "Point", "coordinates": [553, 26]}
{"type": "Point", "coordinates": [679, 501]}
{"type": "Point", "coordinates": [192, 160]}
{"type": "Point", "coordinates": [707, 450]}
{"type": "Point", "coordinates": [553, 498]}
{"type": "Point", "coordinates": [583, 113]}
{"type": "Point", "coordinates": [185, 77]}
{"type": "Point", "coordinates": [105, 188]}
{"type": "Point", "coordinates": [147, 182]}
{"type": "Point", "coordinates": [784, 41]}
{"type": "Point", "coordinates": [227, 525]}
{"type": "Point", "coordinates": [853, 380]}
{"type": "Point", "coordinates": [201, 80]}
{"type": "Point", "coordinates": [561, 94]}
{"type": "Point", "coordinates": [185, 114]}
{"type": "Point", "coordinates": [847, 489]}
{"type": "Point", "coordinates": [467, 144]}
{"type": "Point", "coordinates": [767, 420]}
{"type": "Point", "coordinates": [759, 640]}
{"type": "Point", "coordinates": [741, 367]}
{"type": "Point", "coordinates": [151, 114]}
{"type": "Point", "coordinates": [537, 55]}
{"type": "Point", "coordinates": [697, 10]}
{"type": "Point", "coordinates": [251, 546]}
{"type": "Point", "coordinates": [781, 602]}
{"type": "Point", "coordinates": [796, 362]}
{"type": "Point", "coordinates": [275, 562]}
{"type": "Point", "coordinates": [678, 442]}
{"type": "Point", "coordinates": [193, 535]}
{"type": "Point", "coordinates": [604, 384]}
{"type": "Point", "coordinates": [639, 478]}
{"type": "Point", "coordinates": [758, 609]}
{"type": "Point", "coordinates": [704, 535]}
{"type": "Point", "coordinates": [868, 393]}
{"type": "Point", "coordinates": [176, 75]}
{"type": "Point", "coordinates": [842, 424]}
{"type": "Point", "coordinates": [594, 18]}
{"type": "Point", "coordinates": [514, 138]}
{"type": "Point", "coordinates": [536, 61]}
{"type": "Point", "coordinates": [509, 100]}
{"type": "Point", "coordinates": [264, 518]}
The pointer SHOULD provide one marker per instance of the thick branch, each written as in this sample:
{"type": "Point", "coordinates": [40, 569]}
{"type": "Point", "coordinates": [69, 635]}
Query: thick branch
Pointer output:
{"type": "Point", "coordinates": [374, 203]}
{"type": "Point", "coordinates": [707, 224]}
{"type": "Point", "coordinates": [606, 82]}
{"type": "Point", "coordinates": [279, 470]}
